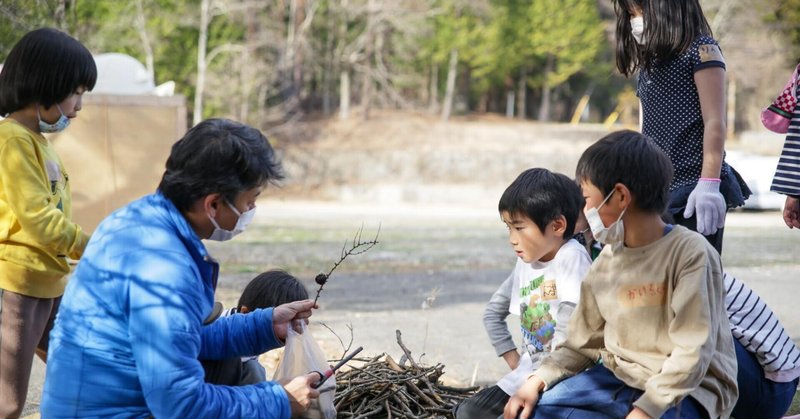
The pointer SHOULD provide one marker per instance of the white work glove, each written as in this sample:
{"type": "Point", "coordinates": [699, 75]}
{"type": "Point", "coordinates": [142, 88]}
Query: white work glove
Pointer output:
{"type": "Point", "coordinates": [709, 204]}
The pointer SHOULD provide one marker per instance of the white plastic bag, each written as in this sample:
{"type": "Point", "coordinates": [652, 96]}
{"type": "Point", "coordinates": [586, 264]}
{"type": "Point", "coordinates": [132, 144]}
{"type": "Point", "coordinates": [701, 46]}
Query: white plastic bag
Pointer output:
{"type": "Point", "coordinates": [301, 356]}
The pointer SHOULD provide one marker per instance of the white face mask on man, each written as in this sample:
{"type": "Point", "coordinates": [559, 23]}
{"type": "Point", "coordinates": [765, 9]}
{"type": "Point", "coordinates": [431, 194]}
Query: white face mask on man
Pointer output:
{"type": "Point", "coordinates": [221, 235]}
{"type": "Point", "coordinates": [637, 29]}
{"type": "Point", "coordinates": [613, 234]}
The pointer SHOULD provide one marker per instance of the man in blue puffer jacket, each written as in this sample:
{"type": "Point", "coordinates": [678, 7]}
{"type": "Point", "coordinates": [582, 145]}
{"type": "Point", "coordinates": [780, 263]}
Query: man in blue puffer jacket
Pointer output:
{"type": "Point", "coordinates": [130, 328]}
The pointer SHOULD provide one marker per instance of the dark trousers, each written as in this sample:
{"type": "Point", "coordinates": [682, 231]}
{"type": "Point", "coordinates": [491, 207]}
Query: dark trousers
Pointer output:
{"type": "Point", "coordinates": [488, 403]}
{"type": "Point", "coordinates": [691, 223]}
{"type": "Point", "coordinates": [225, 372]}
{"type": "Point", "coordinates": [758, 396]}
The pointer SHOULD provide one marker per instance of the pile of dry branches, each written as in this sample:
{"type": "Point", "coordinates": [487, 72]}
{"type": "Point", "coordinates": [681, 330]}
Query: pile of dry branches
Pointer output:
{"type": "Point", "coordinates": [383, 388]}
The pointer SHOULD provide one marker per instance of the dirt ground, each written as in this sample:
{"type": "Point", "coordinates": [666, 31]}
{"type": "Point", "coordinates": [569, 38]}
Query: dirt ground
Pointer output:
{"type": "Point", "coordinates": [453, 258]}
{"type": "Point", "coordinates": [433, 187]}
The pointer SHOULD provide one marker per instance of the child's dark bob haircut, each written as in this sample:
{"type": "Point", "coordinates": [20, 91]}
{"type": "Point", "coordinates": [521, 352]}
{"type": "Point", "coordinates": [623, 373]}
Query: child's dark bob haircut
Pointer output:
{"type": "Point", "coordinates": [543, 196]}
{"type": "Point", "coordinates": [632, 159]}
{"type": "Point", "coordinates": [670, 27]}
{"type": "Point", "coordinates": [271, 289]}
{"type": "Point", "coordinates": [44, 67]}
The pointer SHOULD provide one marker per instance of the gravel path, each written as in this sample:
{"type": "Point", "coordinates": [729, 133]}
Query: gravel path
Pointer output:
{"type": "Point", "coordinates": [455, 257]}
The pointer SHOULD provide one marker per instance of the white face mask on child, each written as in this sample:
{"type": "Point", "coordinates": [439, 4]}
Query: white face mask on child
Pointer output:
{"type": "Point", "coordinates": [613, 234]}
{"type": "Point", "coordinates": [58, 126]}
{"type": "Point", "coordinates": [221, 235]}
{"type": "Point", "coordinates": [637, 29]}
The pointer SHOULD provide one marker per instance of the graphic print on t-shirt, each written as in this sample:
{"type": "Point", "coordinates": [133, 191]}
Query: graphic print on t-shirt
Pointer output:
{"type": "Point", "coordinates": [56, 179]}
{"type": "Point", "coordinates": [536, 321]}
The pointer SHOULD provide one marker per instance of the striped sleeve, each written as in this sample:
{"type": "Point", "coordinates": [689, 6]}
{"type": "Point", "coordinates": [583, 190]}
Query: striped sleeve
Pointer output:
{"type": "Point", "coordinates": [787, 175]}
{"type": "Point", "coordinates": [758, 329]}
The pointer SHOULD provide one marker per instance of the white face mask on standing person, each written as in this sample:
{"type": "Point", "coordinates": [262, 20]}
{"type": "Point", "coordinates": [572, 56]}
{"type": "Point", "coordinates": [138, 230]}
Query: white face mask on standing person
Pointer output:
{"type": "Point", "coordinates": [220, 234]}
{"type": "Point", "coordinates": [613, 234]}
{"type": "Point", "coordinates": [637, 29]}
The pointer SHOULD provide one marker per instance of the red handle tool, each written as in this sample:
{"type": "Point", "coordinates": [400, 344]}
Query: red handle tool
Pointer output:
{"type": "Point", "coordinates": [324, 376]}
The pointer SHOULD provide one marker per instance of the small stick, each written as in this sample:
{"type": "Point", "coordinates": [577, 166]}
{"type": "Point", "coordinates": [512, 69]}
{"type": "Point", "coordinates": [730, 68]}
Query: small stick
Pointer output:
{"type": "Point", "coordinates": [405, 350]}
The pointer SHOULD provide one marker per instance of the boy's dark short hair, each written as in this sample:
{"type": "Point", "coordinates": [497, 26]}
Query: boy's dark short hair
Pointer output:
{"type": "Point", "coordinates": [270, 289]}
{"type": "Point", "coordinates": [45, 67]}
{"type": "Point", "coordinates": [218, 156]}
{"type": "Point", "coordinates": [632, 159]}
{"type": "Point", "coordinates": [543, 196]}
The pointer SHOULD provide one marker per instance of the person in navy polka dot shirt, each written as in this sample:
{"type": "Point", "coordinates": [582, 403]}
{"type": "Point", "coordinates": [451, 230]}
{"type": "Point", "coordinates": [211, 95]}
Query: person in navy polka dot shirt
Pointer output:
{"type": "Point", "coordinates": [681, 86]}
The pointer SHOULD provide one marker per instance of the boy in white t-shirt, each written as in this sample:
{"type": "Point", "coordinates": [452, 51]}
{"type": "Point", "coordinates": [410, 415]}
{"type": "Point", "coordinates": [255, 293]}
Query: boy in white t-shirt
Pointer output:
{"type": "Point", "coordinates": [540, 209]}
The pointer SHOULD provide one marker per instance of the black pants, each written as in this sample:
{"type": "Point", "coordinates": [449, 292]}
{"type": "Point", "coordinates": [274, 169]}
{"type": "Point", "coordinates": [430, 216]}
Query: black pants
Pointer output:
{"type": "Point", "coordinates": [691, 223]}
{"type": "Point", "coordinates": [225, 372]}
{"type": "Point", "coordinates": [488, 403]}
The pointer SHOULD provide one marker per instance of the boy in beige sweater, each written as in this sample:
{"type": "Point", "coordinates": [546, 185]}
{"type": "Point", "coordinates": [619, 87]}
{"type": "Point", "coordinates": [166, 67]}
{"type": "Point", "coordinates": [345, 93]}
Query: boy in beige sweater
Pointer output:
{"type": "Point", "coordinates": [650, 336]}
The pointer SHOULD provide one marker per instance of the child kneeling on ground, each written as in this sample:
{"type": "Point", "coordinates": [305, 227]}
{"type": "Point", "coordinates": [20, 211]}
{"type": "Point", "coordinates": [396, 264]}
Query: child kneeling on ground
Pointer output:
{"type": "Point", "coordinates": [651, 307]}
{"type": "Point", "coordinates": [540, 209]}
{"type": "Point", "coordinates": [269, 289]}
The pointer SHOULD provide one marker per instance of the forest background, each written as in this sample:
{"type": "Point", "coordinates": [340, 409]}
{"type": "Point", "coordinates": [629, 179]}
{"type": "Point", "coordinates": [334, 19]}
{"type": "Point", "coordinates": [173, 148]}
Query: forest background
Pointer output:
{"type": "Point", "coordinates": [275, 63]}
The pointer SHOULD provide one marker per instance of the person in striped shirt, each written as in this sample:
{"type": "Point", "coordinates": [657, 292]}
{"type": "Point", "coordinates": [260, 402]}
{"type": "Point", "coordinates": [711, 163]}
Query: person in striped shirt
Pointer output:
{"type": "Point", "coordinates": [768, 360]}
{"type": "Point", "coordinates": [787, 175]}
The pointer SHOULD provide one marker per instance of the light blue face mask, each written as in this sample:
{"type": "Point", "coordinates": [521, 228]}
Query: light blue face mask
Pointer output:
{"type": "Point", "coordinates": [58, 126]}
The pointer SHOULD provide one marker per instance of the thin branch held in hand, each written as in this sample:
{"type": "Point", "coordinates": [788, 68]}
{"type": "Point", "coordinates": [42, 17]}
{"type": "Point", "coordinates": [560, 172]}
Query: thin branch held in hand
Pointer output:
{"type": "Point", "coordinates": [358, 247]}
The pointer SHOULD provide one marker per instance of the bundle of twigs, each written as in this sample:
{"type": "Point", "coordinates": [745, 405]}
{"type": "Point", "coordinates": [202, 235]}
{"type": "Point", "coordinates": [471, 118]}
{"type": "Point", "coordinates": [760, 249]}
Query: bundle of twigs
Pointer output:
{"type": "Point", "coordinates": [383, 388]}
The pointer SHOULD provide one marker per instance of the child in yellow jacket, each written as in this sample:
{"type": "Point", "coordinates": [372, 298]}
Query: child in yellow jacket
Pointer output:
{"type": "Point", "coordinates": [41, 84]}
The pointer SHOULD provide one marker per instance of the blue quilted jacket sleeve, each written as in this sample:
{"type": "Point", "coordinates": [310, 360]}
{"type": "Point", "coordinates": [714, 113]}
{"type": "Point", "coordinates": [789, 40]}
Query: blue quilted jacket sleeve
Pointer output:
{"type": "Point", "coordinates": [166, 302]}
{"type": "Point", "coordinates": [239, 335]}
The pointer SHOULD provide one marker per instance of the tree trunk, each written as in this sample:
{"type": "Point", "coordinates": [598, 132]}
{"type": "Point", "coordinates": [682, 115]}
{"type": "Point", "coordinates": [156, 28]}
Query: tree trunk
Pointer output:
{"type": "Point", "coordinates": [148, 49]}
{"type": "Point", "coordinates": [522, 93]}
{"type": "Point", "coordinates": [299, 58]}
{"type": "Point", "coordinates": [288, 61]}
{"type": "Point", "coordinates": [344, 93]}
{"type": "Point", "coordinates": [369, 51]}
{"type": "Point", "coordinates": [449, 95]}
{"type": "Point", "coordinates": [730, 123]}
{"type": "Point", "coordinates": [433, 90]}
{"type": "Point", "coordinates": [247, 73]}
{"type": "Point", "coordinates": [60, 15]}
{"type": "Point", "coordinates": [544, 107]}
{"type": "Point", "coordinates": [202, 40]}
{"type": "Point", "coordinates": [509, 104]}
{"type": "Point", "coordinates": [344, 65]}
{"type": "Point", "coordinates": [483, 102]}
{"type": "Point", "coordinates": [328, 68]}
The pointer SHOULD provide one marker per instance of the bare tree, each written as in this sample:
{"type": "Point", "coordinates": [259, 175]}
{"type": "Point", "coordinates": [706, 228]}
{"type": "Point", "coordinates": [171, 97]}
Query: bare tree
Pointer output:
{"type": "Point", "coordinates": [522, 92]}
{"type": "Point", "coordinates": [433, 90]}
{"type": "Point", "coordinates": [449, 94]}
{"type": "Point", "coordinates": [146, 46]}
{"type": "Point", "coordinates": [202, 41]}
{"type": "Point", "coordinates": [544, 106]}
{"type": "Point", "coordinates": [369, 55]}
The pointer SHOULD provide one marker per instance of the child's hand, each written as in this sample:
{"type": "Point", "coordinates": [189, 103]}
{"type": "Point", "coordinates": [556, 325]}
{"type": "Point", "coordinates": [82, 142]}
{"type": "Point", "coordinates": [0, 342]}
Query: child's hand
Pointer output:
{"type": "Point", "coordinates": [300, 392]}
{"type": "Point", "coordinates": [637, 413]}
{"type": "Point", "coordinates": [521, 404]}
{"type": "Point", "coordinates": [512, 359]}
{"type": "Point", "coordinates": [791, 212]}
